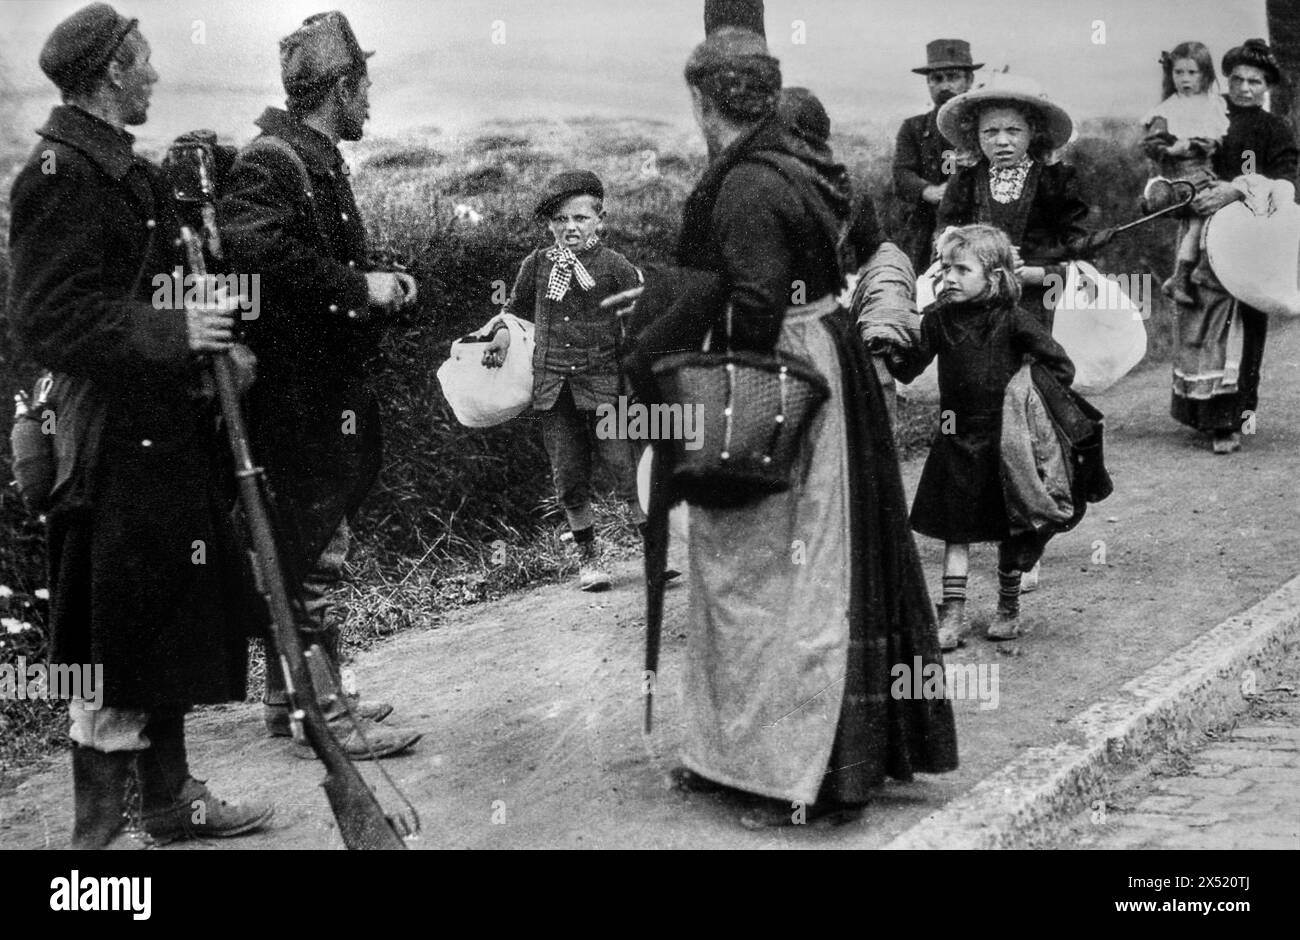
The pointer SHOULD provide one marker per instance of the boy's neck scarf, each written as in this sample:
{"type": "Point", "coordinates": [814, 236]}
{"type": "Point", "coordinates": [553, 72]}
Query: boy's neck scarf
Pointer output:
{"type": "Point", "coordinates": [565, 267]}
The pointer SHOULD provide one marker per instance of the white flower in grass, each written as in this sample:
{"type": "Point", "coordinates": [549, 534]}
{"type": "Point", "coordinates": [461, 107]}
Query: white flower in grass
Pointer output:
{"type": "Point", "coordinates": [6, 591]}
{"type": "Point", "coordinates": [42, 594]}
{"type": "Point", "coordinates": [13, 625]}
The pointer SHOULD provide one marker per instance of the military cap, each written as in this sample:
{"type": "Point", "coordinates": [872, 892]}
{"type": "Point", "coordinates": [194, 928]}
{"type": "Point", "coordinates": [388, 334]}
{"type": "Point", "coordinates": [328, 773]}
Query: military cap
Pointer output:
{"type": "Point", "coordinates": [321, 50]}
{"type": "Point", "coordinates": [565, 185]}
{"type": "Point", "coordinates": [83, 44]}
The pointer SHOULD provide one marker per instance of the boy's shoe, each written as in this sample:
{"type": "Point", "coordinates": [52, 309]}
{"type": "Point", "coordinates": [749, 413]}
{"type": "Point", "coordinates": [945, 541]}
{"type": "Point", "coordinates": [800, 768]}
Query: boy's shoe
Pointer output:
{"type": "Point", "coordinates": [592, 575]}
{"type": "Point", "coordinates": [197, 814]}
{"type": "Point", "coordinates": [1227, 442]}
{"type": "Point", "coordinates": [952, 625]}
{"type": "Point", "coordinates": [1006, 626]}
{"type": "Point", "coordinates": [1029, 580]}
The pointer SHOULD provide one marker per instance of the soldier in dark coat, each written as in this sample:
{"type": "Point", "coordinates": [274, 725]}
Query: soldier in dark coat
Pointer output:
{"type": "Point", "coordinates": [144, 576]}
{"type": "Point", "coordinates": [290, 217]}
{"type": "Point", "coordinates": [920, 165]}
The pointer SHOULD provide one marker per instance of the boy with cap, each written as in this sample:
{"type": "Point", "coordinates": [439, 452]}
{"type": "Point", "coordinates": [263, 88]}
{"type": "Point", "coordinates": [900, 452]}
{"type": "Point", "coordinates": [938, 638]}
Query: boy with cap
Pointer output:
{"type": "Point", "coordinates": [575, 364]}
{"type": "Point", "coordinates": [919, 176]}
{"type": "Point", "coordinates": [140, 483]}
{"type": "Point", "coordinates": [289, 214]}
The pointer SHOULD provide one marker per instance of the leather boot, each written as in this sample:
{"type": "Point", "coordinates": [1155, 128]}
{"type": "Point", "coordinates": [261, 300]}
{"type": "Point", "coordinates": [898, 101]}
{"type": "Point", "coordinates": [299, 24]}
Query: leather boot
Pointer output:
{"type": "Point", "coordinates": [175, 805]}
{"type": "Point", "coordinates": [592, 575]}
{"type": "Point", "coordinates": [99, 785]}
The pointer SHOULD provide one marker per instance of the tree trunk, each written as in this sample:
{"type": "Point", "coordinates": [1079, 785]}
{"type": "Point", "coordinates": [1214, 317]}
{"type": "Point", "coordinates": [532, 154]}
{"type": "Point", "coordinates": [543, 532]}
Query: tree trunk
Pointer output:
{"type": "Point", "coordinates": [747, 14]}
{"type": "Point", "coordinates": [1284, 37]}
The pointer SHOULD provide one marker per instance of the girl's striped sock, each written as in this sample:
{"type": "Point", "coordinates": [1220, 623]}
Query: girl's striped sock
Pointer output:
{"type": "Point", "coordinates": [954, 588]}
{"type": "Point", "coordinates": [1009, 593]}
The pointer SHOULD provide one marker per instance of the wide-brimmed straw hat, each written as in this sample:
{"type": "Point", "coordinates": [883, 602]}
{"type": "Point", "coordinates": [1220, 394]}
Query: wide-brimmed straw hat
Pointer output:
{"type": "Point", "coordinates": [1014, 90]}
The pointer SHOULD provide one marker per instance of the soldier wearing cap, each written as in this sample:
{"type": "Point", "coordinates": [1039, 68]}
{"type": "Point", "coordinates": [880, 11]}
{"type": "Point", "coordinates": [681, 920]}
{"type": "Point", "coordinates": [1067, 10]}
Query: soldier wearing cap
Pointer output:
{"type": "Point", "coordinates": [290, 217]}
{"type": "Point", "coordinates": [145, 579]}
{"type": "Point", "coordinates": [919, 154]}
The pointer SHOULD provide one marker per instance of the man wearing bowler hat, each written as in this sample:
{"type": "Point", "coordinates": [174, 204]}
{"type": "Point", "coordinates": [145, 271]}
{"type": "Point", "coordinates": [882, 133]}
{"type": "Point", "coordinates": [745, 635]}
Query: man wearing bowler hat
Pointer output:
{"type": "Point", "coordinates": [289, 216]}
{"type": "Point", "coordinates": [919, 176]}
{"type": "Point", "coordinates": [146, 581]}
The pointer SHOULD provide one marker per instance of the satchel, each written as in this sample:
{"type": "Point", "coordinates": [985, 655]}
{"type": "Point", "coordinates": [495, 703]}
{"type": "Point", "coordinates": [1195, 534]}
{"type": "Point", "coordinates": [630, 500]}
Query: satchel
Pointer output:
{"type": "Point", "coordinates": [755, 410]}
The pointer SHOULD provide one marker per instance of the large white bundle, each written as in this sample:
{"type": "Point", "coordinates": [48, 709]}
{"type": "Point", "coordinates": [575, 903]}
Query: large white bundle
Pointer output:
{"type": "Point", "coordinates": [483, 397]}
{"type": "Point", "coordinates": [1100, 327]}
{"type": "Point", "coordinates": [1254, 248]}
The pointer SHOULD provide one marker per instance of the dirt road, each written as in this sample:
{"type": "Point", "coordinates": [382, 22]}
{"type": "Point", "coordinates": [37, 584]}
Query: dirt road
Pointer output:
{"type": "Point", "coordinates": [532, 704]}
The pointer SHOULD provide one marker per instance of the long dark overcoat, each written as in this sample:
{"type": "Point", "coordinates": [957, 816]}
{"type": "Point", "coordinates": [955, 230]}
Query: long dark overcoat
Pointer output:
{"type": "Point", "coordinates": [143, 578]}
{"type": "Point", "coordinates": [314, 417]}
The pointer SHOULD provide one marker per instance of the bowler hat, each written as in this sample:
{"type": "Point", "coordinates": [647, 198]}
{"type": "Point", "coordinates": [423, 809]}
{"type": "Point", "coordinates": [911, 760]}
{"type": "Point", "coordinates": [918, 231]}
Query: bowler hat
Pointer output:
{"type": "Point", "coordinates": [947, 54]}
{"type": "Point", "coordinates": [322, 49]}
{"type": "Point", "coordinates": [566, 185]}
{"type": "Point", "coordinates": [82, 44]}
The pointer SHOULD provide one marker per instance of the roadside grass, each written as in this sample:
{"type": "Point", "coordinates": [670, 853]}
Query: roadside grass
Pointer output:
{"type": "Point", "coordinates": [461, 516]}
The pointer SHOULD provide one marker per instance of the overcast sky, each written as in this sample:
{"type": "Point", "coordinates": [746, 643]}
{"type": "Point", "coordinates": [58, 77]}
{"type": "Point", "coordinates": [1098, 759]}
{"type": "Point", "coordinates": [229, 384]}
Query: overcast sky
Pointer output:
{"type": "Point", "coordinates": [437, 63]}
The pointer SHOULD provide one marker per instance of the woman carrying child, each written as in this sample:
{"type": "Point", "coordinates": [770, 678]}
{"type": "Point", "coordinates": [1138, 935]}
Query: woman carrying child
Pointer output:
{"type": "Point", "coordinates": [1219, 346]}
{"type": "Point", "coordinates": [981, 338]}
{"type": "Point", "coordinates": [1183, 134]}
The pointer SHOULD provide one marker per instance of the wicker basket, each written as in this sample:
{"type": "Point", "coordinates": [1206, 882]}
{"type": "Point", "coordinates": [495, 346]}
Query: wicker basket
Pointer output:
{"type": "Point", "coordinates": [756, 410]}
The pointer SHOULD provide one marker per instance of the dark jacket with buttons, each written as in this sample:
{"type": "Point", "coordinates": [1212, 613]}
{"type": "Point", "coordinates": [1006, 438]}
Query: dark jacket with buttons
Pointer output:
{"type": "Point", "coordinates": [144, 578]}
{"type": "Point", "coordinates": [918, 163]}
{"type": "Point", "coordinates": [575, 340]}
{"type": "Point", "coordinates": [314, 420]}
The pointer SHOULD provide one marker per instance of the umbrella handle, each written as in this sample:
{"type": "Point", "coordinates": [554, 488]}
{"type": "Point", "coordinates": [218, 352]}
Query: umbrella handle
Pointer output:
{"type": "Point", "coordinates": [1191, 196]}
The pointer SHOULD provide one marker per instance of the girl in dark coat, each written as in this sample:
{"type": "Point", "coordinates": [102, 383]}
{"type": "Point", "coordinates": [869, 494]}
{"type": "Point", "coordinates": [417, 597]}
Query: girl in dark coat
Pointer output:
{"type": "Point", "coordinates": [981, 338]}
{"type": "Point", "coordinates": [1008, 129]}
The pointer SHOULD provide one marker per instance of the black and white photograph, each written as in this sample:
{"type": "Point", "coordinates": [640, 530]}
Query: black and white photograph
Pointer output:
{"type": "Point", "coordinates": [667, 425]}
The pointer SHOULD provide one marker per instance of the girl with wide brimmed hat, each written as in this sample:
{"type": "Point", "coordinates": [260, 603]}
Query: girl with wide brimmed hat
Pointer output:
{"type": "Point", "coordinates": [1007, 132]}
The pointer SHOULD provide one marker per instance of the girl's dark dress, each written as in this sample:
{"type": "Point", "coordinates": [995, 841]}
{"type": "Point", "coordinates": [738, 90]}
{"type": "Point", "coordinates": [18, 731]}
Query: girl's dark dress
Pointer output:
{"type": "Point", "coordinates": [1045, 223]}
{"type": "Point", "coordinates": [980, 347]}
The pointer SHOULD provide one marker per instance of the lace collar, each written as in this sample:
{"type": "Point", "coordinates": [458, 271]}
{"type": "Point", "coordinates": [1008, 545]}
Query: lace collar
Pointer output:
{"type": "Point", "coordinates": [1007, 184]}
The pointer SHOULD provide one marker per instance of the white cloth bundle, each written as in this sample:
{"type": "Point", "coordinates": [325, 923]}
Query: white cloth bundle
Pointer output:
{"type": "Point", "coordinates": [481, 397]}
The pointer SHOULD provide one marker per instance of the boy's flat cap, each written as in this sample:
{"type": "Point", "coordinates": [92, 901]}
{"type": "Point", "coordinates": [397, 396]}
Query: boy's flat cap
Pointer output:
{"type": "Point", "coordinates": [83, 43]}
{"type": "Point", "coordinates": [566, 185]}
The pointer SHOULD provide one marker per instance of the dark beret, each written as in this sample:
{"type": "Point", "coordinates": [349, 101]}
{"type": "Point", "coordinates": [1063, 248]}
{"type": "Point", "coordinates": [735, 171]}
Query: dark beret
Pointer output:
{"type": "Point", "coordinates": [566, 185]}
{"type": "Point", "coordinates": [82, 45]}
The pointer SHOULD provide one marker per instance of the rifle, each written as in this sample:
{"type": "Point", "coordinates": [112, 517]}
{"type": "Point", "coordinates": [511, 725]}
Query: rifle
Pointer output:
{"type": "Point", "coordinates": [362, 822]}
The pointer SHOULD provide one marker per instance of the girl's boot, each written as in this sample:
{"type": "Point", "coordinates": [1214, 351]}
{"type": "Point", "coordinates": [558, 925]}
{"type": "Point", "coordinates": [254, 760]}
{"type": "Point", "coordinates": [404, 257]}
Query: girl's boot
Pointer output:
{"type": "Point", "coordinates": [1006, 624]}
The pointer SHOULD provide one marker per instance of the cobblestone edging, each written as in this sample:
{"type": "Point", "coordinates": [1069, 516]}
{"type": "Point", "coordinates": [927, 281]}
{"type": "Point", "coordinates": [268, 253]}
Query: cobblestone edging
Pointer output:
{"type": "Point", "coordinates": [1202, 685]}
